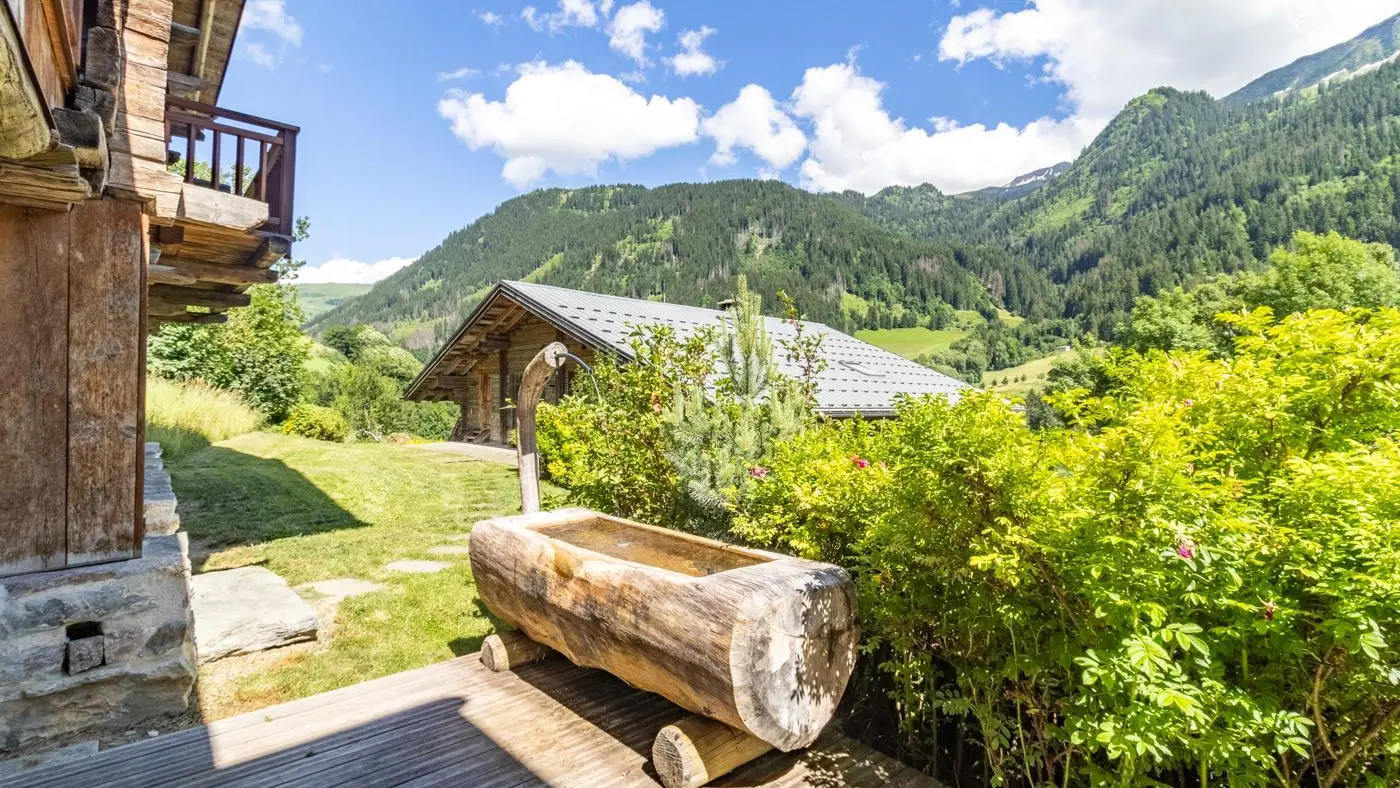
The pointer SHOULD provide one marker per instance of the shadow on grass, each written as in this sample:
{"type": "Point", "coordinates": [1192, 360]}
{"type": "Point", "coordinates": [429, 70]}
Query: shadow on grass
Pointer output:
{"type": "Point", "coordinates": [229, 498]}
{"type": "Point", "coordinates": [472, 644]}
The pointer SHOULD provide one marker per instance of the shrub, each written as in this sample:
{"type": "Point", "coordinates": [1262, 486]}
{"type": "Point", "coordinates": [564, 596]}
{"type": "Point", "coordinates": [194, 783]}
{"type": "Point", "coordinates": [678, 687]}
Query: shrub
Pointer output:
{"type": "Point", "coordinates": [184, 417]}
{"type": "Point", "coordinates": [314, 421]}
{"type": "Point", "coordinates": [1200, 577]}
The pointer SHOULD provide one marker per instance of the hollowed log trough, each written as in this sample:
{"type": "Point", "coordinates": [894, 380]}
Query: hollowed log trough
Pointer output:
{"type": "Point", "coordinates": [758, 643]}
{"type": "Point", "coordinates": [761, 642]}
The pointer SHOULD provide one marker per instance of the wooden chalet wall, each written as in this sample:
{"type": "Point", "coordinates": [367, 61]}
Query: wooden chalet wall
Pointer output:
{"type": "Point", "coordinates": [73, 328]}
{"type": "Point", "coordinates": [483, 400]}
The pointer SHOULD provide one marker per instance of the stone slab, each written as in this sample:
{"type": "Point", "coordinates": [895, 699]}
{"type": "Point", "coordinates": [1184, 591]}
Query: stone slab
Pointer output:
{"type": "Point", "coordinates": [340, 588]}
{"type": "Point", "coordinates": [246, 610]}
{"type": "Point", "coordinates": [416, 567]}
{"type": "Point", "coordinates": [449, 549]}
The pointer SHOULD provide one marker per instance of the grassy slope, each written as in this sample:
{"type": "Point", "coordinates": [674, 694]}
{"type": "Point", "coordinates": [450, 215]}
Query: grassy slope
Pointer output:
{"type": "Point", "coordinates": [911, 342]}
{"type": "Point", "coordinates": [1035, 372]}
{"type": "Point", "coordinates": [320, 299]}
{"type": "Point", "coordinates": [309, 510]}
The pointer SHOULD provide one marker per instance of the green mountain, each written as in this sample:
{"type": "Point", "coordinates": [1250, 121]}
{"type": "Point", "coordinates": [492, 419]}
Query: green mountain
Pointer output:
{"type": "Point", "coordinates": [687, 243]}
{"type": "Point", "coordinates": [316, 300]}
{"type": "Point", "coordinates": [1177, 188]}
{"type": "Point", "coordinates": [1364, 53]}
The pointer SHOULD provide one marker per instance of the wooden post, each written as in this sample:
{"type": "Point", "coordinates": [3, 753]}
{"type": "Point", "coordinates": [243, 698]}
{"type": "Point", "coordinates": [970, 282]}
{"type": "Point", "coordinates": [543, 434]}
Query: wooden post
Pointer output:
{"type": "Point", "coordinates": [532, 383]}
{"type": "Point", "coordinates": [511, 650]}
{"type": "Point", "coordinates": [696, 750]}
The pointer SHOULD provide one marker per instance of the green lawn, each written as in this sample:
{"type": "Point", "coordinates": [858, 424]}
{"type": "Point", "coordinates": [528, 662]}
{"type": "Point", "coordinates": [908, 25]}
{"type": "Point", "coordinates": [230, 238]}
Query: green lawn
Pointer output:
{"type": "Point", "coordinates": [310, 510]}
{"type": "Point", "coordinates": [911, 342]}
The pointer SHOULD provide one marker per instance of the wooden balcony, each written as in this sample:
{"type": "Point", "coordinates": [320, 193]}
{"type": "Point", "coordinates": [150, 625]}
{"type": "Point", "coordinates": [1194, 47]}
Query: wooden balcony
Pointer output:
{"type": "Point", "coordinates": [229, 213]}
{"type": "Point", "coordinates": [237, 154]}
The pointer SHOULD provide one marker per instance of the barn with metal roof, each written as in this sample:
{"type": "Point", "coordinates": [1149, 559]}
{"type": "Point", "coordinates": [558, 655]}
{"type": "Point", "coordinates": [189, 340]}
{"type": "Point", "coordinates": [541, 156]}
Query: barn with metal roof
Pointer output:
{"type": "Point", "coordinates": [480, 366]}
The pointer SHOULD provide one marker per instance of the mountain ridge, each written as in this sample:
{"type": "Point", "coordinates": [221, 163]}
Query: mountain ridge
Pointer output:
{"type": "Point", "coordinates": [1373, 47]}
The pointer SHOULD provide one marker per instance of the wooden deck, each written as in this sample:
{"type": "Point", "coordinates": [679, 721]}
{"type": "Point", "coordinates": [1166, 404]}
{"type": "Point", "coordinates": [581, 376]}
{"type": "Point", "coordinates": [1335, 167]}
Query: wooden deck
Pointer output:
{"type": "Point", "coordinates": [458, 724]}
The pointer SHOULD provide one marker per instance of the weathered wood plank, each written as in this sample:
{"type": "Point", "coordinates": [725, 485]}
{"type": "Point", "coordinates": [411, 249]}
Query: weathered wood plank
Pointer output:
{"type": "Point", "coordinates": [455, 723]}
{"type": "Point", "coordinates": [105, 332]}
{"type": "Point", "coordinates": [34, 366]}
{"type": "Point", "coordinates": [190, 296]}
{"type": "Point", "coordinates": [201, 204]}
{"type": "Point", "coordinates": [223, 274]}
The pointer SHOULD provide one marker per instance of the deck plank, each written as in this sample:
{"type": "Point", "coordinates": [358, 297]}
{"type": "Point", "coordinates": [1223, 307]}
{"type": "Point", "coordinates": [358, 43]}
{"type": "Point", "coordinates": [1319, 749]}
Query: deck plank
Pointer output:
{"type": "Point", "coordinates": [454, 723]}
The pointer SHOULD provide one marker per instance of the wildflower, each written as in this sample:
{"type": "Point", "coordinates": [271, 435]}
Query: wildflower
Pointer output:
{"type": "Point", "coordinates": [860, 462]}
{"type": "Point", "coordinates": [1188, 402]}
{"type": "Point", "coordinates": [1186, 547]}
{"type": "Point", "coordinates": [758, 472]}
{"type": "Point", "coordinates": [1269, 610]}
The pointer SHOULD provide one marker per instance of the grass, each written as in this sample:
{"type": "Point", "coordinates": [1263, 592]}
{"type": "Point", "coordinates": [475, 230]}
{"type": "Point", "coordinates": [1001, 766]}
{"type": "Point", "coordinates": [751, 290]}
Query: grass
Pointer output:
{"type": "Point", "coordinates": [184, 417]}
{"type": "Point", "coordinates": [316, 300]}
{"type": "Point", "coordinates": [309, 510]}
{"type": "Point", "coordinates": [911, 342]}
{"type": "Point", "coordinates": [1035, 372]}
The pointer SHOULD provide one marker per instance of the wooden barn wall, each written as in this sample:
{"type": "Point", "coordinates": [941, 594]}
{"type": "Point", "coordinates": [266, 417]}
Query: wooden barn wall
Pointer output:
{"type": "Point", "coordinates": [70, 317]}
{"type": "Point", "coordinates": [526, 339]}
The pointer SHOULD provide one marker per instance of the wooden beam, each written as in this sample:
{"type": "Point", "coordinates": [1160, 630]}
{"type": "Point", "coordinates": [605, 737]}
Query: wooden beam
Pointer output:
{"type": "Point", "coordinates": [191, 296]}
{"type": "Point", "coordinates": [25, 131]}
{"type": "Point", "coordinates": [223, 274]}
{"type": "Point", "coordinates": [183, 85]}
{"type": "Point", "coordinates": [195, 318]}
{"type": "Point", "coordinates": [206, 24]}
{"type": "Point", "coordinates": [165, 275]}
{"type": "Point", "coordinates": [184, 35]}
{"type": "Point", "coordinates": [210, 206]}
{"type": "Point", "coordinates": [273, 248]}
{"type": "Point", "coordinates": [168, 235]}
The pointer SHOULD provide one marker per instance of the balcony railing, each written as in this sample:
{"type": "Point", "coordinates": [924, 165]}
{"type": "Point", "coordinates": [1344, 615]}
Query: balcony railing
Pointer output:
{"type": "Point", "coordinates": [235, 153]}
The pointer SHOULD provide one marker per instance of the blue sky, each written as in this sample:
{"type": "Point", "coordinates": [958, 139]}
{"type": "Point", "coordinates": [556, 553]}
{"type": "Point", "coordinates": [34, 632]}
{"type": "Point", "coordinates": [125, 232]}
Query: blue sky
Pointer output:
{"type": "Point", "coordinates": [419, 116]}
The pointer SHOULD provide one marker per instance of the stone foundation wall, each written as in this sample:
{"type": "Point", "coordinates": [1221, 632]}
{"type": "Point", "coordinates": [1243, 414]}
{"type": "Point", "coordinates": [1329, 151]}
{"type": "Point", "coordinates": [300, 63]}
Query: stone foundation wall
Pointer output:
{"type": "Point", "coordinates": [97, 648]}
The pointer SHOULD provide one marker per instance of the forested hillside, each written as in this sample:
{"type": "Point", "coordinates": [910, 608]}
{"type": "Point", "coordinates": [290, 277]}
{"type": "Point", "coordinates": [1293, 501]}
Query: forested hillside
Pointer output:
{"type": "Point", "coordinates": [1180, 186]}
{"type": "Point", "coordinates": [687, 243]}
{"type": "Point", "coordinates": [1177, 188]}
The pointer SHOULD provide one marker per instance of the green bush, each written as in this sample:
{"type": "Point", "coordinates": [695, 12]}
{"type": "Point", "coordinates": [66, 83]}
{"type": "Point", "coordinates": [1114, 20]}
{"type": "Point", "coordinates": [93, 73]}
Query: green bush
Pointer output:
{"type": "Point", "coordinates": [314, 421]}
{"type": "Point", "coordinates": [1197, 581]}
{"type": "Point", "coordinates": [184, 417]}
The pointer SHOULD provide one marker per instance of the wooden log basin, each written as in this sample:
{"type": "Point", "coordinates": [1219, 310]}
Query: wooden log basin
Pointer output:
{"type": "Point", "coordinates": [759, 641]}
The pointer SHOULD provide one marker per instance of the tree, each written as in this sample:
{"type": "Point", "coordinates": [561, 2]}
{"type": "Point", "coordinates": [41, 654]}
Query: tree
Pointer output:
{"type": "Point", "coordinates": [721, 437]}
{"type": "Point", "coordinates": [348, 340]}
{"type": "Point", "coordinates": [1326, 272]}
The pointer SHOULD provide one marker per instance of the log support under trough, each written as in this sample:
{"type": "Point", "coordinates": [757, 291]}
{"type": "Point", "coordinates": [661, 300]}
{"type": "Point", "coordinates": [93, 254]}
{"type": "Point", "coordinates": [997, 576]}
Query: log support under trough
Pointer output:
{"type": "Point", "coordinates": [696, 750]}
{"type": "Point", "coordinates": [511, 650]}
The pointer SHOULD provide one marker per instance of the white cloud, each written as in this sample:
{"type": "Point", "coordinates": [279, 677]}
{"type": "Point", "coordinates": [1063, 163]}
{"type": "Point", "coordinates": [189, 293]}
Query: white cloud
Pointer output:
{"type": "Point", "coordinates": [855, 143]}
{"type": "Point", "coordinates": [754, 121]}
{"type": "Point", "coordinates": [568, 120]}
{"type": "Point", "coordinates": [490, 18]}
{"type": "Point", "coordinates": [627, 33]}
{"type": "Point", "coordinates": [571, 13]}
{"type": "Point", "coordinates": [691, 60]}
{"type": "Point", "coordinates": [345, 271]}
{"type": "Point", "coordinates": [260, 55]}
{"type": "Point", "coordinates": [272, 15]}
{"type": "Point", "coordinates": [1105, 52]}
{"type": "Point", "coordinates": [461, 73]}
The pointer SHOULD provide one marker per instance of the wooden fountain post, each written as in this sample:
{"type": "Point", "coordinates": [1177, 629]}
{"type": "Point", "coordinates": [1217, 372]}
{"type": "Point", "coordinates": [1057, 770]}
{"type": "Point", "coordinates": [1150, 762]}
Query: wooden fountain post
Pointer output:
{"type": "Point", "coordinates": [532, 383]}
{"type": "Point", "coordinates": [511, 650]}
